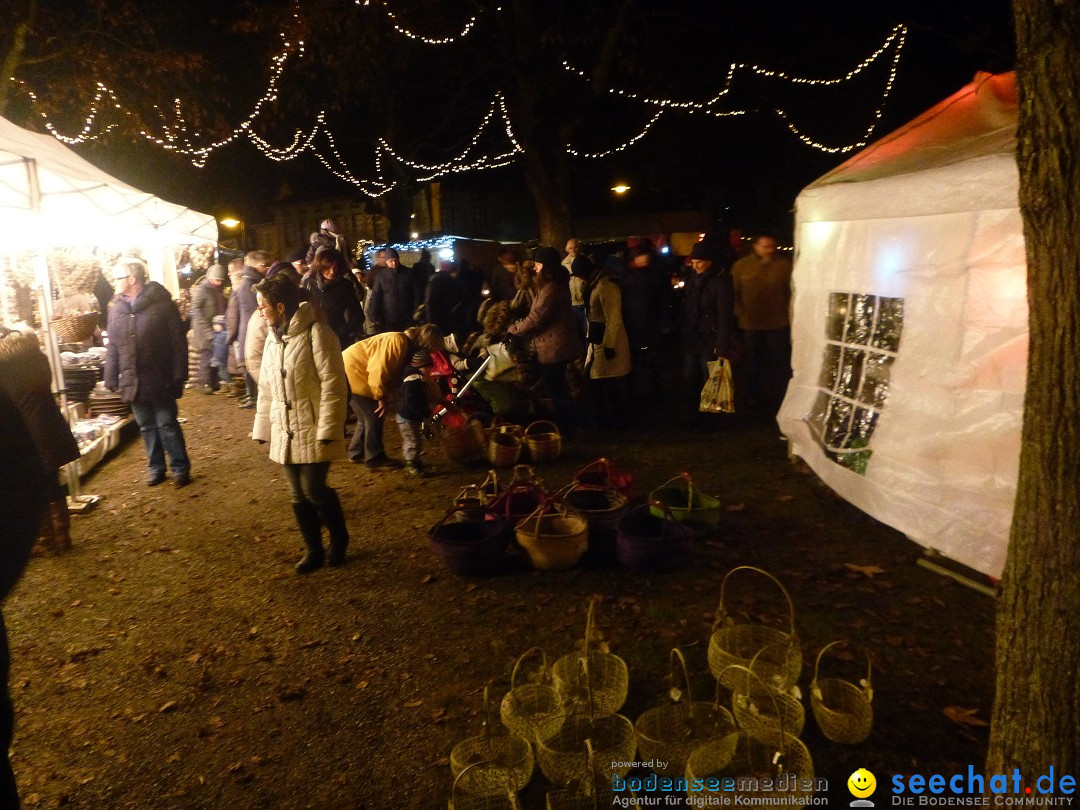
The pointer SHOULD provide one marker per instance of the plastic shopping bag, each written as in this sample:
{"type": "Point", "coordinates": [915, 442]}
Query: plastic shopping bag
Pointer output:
{"type": "Point", "coordinates": [718, 394]}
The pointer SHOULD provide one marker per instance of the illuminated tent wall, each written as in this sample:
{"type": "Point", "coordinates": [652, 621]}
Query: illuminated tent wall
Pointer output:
{"type": "Point", "coordinates": [910, 326]}
{"type": "Point", "coordinates": [50, 197]}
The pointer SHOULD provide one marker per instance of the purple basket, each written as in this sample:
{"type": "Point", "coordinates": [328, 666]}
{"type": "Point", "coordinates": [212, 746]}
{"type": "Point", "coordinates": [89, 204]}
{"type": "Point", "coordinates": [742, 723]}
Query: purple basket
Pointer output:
{"type": "Point", "coordinates": [659, 543]}
{"type": "Point", "coordinates": [473, 547]}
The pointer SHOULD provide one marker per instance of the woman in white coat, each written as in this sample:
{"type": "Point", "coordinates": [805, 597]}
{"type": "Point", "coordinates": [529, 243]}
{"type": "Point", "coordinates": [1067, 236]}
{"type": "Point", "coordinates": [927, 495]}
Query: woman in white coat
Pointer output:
{"type": "Point", "coordinates": [608, 358]}
{"type": "Point", "coordinates": [301, 411]}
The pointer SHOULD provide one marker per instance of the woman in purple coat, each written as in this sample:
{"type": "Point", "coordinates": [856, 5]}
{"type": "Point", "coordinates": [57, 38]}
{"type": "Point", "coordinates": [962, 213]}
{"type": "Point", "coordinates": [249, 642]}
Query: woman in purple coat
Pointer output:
{"type": "Point", "coordinates": [550, 324]}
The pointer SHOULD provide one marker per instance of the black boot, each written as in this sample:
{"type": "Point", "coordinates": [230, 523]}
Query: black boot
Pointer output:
{"type": "Point", "coordinates": [307, 518]}
{"type": "Point", "coordinates": [333, 517]}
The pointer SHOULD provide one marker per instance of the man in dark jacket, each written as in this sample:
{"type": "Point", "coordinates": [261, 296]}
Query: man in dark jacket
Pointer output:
{"type": "Point", "coordinates": [392, 301]}
{"type": "Point", "coordinates": [256, 263]}
{"type": "Point", "coordinates": [147, 361]}
{"type": "Point", "coordinates": [707, 321]}
{"type": "Point", "coordinates": [444, 302]}
{"type": "Point", "coordinates": [645, 294]}
{"type": "Point", "coordinates": [207, 302]}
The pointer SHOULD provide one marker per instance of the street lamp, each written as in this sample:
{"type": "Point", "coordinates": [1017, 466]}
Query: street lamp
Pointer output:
{"type": "Point", "coordinates": [621, 188]}
{"type": "Point", "coordinates": [234, 224]}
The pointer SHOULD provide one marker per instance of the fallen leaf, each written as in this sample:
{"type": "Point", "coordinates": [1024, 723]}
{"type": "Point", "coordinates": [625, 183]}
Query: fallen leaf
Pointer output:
{"type": "Point", "coordinates": [362, 685]}
{"type": "Point", "coordinates": [172, 705]}
{"type": "Point", "coordinates": [412, 704]}
{"type": "Point", "coordinates": [427, 579]}
{"type": "Point", "coordinates": [963, 717]}
{"type": "Point", "coordinates": [865, 570]}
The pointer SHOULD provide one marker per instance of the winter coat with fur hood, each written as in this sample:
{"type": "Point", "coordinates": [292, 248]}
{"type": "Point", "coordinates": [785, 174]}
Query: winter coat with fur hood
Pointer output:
{"type": "Point", "coordinates": [302, 392]}
{"type": "Point", "coordinates": [147, 359]}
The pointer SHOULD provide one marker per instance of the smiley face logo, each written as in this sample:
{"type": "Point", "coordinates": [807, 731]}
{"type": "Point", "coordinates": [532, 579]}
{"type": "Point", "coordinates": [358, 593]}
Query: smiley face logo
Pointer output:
{"type": "Point", "coordinates": [862, 783]}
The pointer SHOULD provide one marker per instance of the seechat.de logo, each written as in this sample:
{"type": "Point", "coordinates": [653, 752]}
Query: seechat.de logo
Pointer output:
{"type": "Point", "coordinates": [862, 784]}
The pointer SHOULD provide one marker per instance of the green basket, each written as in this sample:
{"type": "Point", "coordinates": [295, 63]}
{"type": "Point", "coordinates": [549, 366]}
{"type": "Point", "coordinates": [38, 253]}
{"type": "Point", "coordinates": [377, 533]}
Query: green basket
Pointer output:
{"type": "Point", "coordinates": [686, 505]}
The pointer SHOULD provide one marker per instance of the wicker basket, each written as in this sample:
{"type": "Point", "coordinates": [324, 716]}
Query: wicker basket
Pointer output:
{"type": "Point", "coordinates": [688, 506]}
{"type": "Point", "coordinates": [470, 546]}
{"type": "Point", "coordinates": [553, 537]}
{"type": "Point", "coordinates": [643, 540]}
{"type": "Point", "coordinates": [737, 644]}
{"type": "Point", "coordinates": [543, 440]}
{"type": "Point", "coordinates": [755, 763]}
{"type": "Point", "coordinates": [461, 438]}
{"type": "Point", "coordinates": [519, 500]}
{"type": "Point", "coordinates": [601, 506]}
{"type": "Point", "coordinates": [505, 760]}
{"type": "Point", "coordinates": [668, 734]}
{"type": "Point", "coordinates": [564, 757]}
{"type": "Point", "coordinates": [504, 445]}
{"type": "Point", "coordinates": [489, 488]}
{"type": "Point", "coordinates": [603, 681]}
{"type": "Point", "coordinates": [842, 709]}
{"type": "Point", "coordinates": [532, 710]}
{"type": "Point", "coordinates": [74, 328]}
{"type": "Point", "coordinates": [460, 800]}
{"type": "Point", "coordinates": [750, 762]}
{"type": "Point", "coordinates": [470, 505]}
{"type": "Point", "coordinates": [590, 796]}
{"type": "Point", "coordinates": [760, 708]}
{"type": "Point", "coordinates": [603, 473]}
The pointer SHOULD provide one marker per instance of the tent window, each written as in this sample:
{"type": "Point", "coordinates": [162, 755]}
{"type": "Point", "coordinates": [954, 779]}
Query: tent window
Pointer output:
{"type": "Point", "coordinates": [862, 336]}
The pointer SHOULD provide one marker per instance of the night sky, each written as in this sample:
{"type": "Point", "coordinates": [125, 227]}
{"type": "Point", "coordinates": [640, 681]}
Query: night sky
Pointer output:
{"type": "Point", "coordinates": [747, 169]}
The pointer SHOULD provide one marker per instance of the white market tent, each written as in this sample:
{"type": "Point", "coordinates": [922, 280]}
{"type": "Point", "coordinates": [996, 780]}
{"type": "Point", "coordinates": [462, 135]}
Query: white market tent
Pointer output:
{"type": "Point", "coordinates": [910, 326]}
{"type": "Point", "coordinates": [49, 196]}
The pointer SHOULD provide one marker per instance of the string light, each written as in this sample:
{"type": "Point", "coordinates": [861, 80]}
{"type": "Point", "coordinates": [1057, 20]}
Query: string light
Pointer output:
{"type": "Point", "coordinates": [174, 135]}
{"type": "Point", "coordinates": [626, 145]}
{"type": "Point", "coordinates": [469, 26]}
{"type": "Point", "coordinates": [894, 42]}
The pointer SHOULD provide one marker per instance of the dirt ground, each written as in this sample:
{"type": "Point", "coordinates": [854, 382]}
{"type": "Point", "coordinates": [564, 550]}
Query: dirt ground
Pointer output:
{"type": "Point", "coordinates": [174, 659]}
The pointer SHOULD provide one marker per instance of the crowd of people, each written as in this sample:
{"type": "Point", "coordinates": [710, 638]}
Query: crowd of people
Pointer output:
{"type": "Point", "coordinates": [304, 341]}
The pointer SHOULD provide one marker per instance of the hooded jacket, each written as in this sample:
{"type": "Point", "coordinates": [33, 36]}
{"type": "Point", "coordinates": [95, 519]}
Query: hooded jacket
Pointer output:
{"type": "Point", "coordinates": [26, 377]}
{"type": "Point", "coordinates": [392, 300]}
{"type": "Point", "coordinates": [550, 324]}
{"type": "Point", "coordinates": [707, 322]}
{"type": "Point", "coordinates": [374, 365]}
{"type": "Point", "coordinates": [302, 392]}
{"type": "Point", "coordinates": [147, 357]}
{"type": "Point", "coordinates": [206, 302]}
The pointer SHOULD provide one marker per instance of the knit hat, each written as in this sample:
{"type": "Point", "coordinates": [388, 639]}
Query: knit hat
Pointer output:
{"type": "Point", "coordinates": [582, 267]}
{"type": "Point", "coordinates": [703, 252]}
{"type": "Point", "coordinates": [421, 358]}
{"type": "Point", "coordinates": [547, 256]}
{"type": "Point", "coordinates": [391, 254]}
{"type": "Point", "coordinates": [216, 272]}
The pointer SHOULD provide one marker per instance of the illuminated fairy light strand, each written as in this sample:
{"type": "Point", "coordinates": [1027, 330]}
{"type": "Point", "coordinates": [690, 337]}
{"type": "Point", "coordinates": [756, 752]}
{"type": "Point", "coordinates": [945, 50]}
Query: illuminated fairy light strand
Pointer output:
{"type": "Point", "coordinates": [897, 36]}
{"type": "Point", "coordinates": [894, 42]}
{"type": "Point", "coordinates": [621, 148]}
{"type": "Point", "coordinates": [894, 67]}
{"type": "Point", "coordinates": [174, 137]}
{"type": "Point", "coordinates": [406, 32]}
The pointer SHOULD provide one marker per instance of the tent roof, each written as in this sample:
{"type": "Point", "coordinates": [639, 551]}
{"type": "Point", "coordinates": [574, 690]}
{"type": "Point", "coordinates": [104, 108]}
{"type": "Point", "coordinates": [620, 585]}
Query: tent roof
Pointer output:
{"type": "Point", "coordinates": [38, 173]}
{"type": "Point", "coordinates": [976, 121]}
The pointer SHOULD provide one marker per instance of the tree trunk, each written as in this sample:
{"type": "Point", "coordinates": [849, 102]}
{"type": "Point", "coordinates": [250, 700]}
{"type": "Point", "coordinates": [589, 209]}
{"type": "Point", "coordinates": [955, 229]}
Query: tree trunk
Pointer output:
{"type": "Point", "coordinates": [549, 183]}
{"type": "Point", "coordinates": [1036, 716]}
{"type": "Point", "coordinates": [14, 43]}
